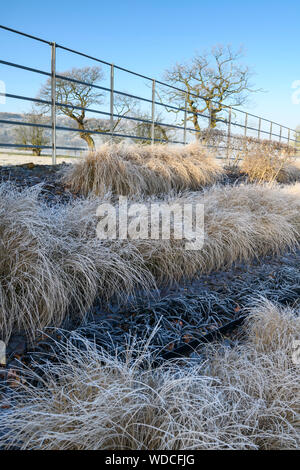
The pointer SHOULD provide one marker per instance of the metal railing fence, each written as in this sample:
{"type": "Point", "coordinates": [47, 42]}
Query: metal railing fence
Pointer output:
{"type": "Point", "coordinates": [236, 123]}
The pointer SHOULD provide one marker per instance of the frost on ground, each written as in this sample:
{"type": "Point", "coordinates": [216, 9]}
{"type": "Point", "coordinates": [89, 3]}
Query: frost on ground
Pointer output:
{"type": "Point", "coordinates": [245, 397]}
{"type": "Point", "coordinates": [54, 272]}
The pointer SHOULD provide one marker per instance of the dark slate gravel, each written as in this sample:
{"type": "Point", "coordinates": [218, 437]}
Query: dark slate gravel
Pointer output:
{"type": "Point", "coordinates": [29, 175]}
{"type": "Point", "coordinates": [187, 311]}
{"type": "Point", "coordinates": [184, 311]}
{"type": "Point", "coordinates": [192, 309]}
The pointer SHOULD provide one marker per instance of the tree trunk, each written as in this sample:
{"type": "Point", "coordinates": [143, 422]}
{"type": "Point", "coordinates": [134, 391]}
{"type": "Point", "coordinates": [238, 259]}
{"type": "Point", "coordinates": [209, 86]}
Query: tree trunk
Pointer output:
{"type": "Point", "coordinates": [86, 137]}
{"type": "Point", "coordinates": [193, 108]}
{"type": "Point", "coordinates": [196, 126]}
{"type": "Point", "coordinates": [37, 152]}
{"type": "Point", "coordinates": [213, 119]}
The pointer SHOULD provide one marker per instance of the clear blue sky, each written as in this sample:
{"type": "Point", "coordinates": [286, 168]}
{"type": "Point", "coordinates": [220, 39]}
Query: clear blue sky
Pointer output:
{"type": "Point", "coordinates": [148, 37]}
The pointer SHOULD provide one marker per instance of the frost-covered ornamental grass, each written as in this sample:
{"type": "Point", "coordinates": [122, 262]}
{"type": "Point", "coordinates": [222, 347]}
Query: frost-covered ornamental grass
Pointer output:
{"type": "Point", "coordinates": [247, 397]}
{"type": "Point", "coordinates": [142, 170]}
{"type": "Point", "coordinates": [240, 223]}
{"type": "Point", "coordinates": [268, 161]}
{"type": "Point", "coordinates": [51, 262]}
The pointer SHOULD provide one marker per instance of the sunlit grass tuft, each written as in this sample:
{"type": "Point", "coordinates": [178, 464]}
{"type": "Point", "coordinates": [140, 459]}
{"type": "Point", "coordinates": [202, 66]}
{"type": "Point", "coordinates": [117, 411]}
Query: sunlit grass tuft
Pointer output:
{"type": "Point", "coordinates": [135, 170]}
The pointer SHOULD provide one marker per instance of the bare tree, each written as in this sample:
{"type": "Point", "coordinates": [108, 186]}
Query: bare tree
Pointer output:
{"type": "Point", "coordinates": [32, 135]}
{"type": "Point", "coordinates": [123, 106]}
{"type": "Point", "coordinates": [143, 129]}
{"type": "Point", "coordinates": [78, 91]}
{"type": "Point", "coordinates": [211, 81]}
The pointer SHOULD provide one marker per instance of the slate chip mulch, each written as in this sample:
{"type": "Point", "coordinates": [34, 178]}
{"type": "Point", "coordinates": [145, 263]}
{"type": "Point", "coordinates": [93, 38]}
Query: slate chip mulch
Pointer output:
{"type": "Point", "coordinates": [184, 311]}
{"type": "Point", "coordinates": [29, 175]}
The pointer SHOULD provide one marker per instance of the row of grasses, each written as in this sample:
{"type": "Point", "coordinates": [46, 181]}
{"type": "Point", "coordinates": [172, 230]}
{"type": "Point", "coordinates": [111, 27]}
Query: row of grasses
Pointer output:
{"type": "Point", "coordinates": [138, 170]}
{"type": "Point", "coordinates": [246, 397]}
{"type": "Point", "coordinates": [52, 264]}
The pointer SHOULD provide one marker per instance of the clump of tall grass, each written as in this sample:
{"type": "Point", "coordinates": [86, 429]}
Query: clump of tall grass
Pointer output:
{"type": "Point", "coordinates": [293, 171]}
{"type": "Point", "coordinates": [51, 262]}
{"type": "Point", "coordinates": [246, 397]}
{"type": "Point", "coordinates": [240, 223]}
{"type": "Point", "coordinates": [267, 161]}
{"type": "Point", "coordinates": [142, 170]}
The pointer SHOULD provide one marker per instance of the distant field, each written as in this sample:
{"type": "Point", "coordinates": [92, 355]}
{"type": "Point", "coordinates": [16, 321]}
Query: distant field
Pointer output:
{"type": "Point", "coordinates": [7, 158]}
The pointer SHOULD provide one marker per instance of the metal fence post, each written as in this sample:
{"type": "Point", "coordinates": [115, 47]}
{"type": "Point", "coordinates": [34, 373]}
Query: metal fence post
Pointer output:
{"type": "Point", "coordinates": [280, 134]}
{"type": "Point", "coordinates": [112, 78]}
{"type": "Point", "coordinates": [53, 101]}
{"type": "Point", "coordinates": [289, 136]}
{"type": "Point", "coordinates": [185, 117]}
{"type": "Point", "coordinates": [259, 128]}
{"type": "Point", "coordinates": [271, 130]}
{"type": "Point", "coordinates": [153, 112]}
{"type": "Point", "coordinates": [246, 124]}
{"type": "Point", "coordinates": [229, 132]}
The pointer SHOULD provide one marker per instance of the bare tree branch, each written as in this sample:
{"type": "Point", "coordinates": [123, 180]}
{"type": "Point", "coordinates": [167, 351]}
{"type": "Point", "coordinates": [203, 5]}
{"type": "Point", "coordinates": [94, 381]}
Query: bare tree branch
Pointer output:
{"type": "Point", "coordinates": [31, 135]}
{"type": "Point", "coordinates": [76, 95]}
{"type": "Point", "coordinates": [211, 81]}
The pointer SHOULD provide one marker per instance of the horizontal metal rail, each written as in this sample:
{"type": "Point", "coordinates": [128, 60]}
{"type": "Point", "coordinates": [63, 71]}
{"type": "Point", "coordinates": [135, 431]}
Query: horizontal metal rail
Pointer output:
{"type": "Point", "coordinates": [24, 67]}
{"type": "Point", "coordinates": [79, 82]}
{"type": "Point", "coordinates": [71, 129]}
{"type": "Point", "coordinates": [152, 123]}
{"type": "Point", "coordinates": [41, 147]}
{"type": "Point", "coordinates": [82, 131]}
{"type": "Point", "coordinates": [101, 61]}
{"type": "Point", "coordinates": [25, 34]}
{"type": "Point", "coordinates": [148, 121]}
{"type": "Point", "coordinates": [3, 145]}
